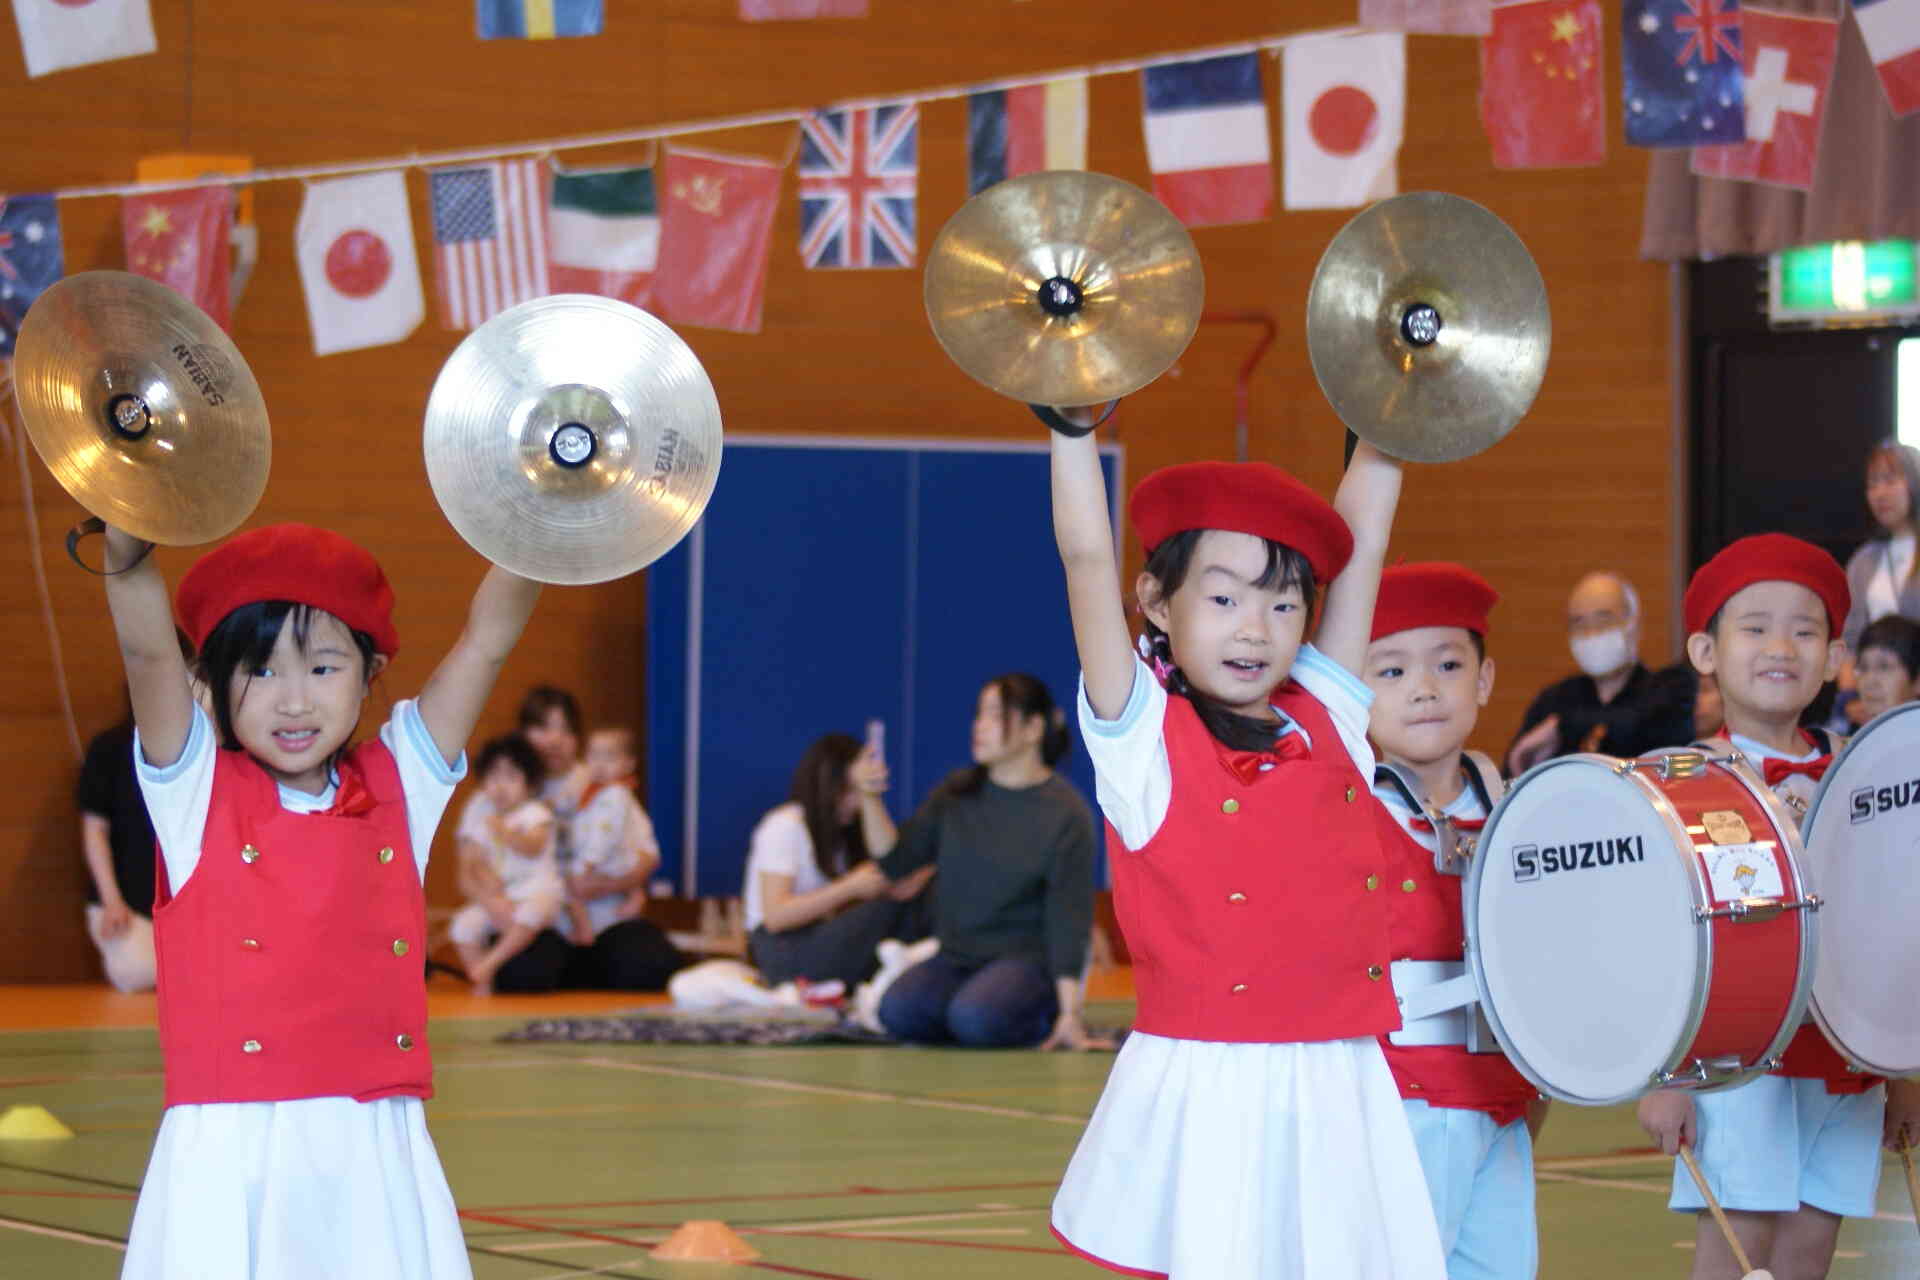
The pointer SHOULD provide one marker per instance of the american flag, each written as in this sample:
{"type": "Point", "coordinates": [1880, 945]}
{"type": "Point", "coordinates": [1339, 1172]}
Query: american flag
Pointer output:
{"type": "Point", "coordinates": [490, 222]}
{"type": "Point", "coordinates": [859, 174]}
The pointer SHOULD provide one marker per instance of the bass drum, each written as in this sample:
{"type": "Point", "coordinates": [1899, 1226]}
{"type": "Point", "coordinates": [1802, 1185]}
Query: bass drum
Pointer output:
{"type": "Point", "coordinates": [1863, 859]}
{"type": "Point", "coordinates": [1633, 924]}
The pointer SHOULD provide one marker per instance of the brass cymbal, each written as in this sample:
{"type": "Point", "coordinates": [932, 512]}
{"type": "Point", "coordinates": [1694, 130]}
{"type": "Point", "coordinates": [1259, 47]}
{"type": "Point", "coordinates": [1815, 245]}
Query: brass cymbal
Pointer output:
{"type": "Point", "coordinates": [1427, 326]}
{"type": "Point", "coordinates": [1064, 288]}
{"type": "Point", "coordinates": [572, 439]}
{"type": "Point", "coordinates": [142, 408]}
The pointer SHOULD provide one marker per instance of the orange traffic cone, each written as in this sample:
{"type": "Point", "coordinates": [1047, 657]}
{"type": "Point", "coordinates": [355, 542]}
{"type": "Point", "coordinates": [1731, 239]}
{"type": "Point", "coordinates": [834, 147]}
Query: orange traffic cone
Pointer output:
{"type": "Point", "coordinates": [704, 1240]}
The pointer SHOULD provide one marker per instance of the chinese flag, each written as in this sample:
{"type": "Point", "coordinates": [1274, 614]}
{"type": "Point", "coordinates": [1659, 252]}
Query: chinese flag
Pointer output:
{"type": "Point", "coordinates": [1541, 90]}
{"type": "Point", "coordinates": [181, 239]}
{"type": "Point", "coordinates": [716, 226]}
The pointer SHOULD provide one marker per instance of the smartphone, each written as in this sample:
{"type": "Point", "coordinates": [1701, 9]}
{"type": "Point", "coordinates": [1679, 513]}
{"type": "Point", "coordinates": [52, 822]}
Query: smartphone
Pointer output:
{"type": "Point", "coordinates": [877, 738]}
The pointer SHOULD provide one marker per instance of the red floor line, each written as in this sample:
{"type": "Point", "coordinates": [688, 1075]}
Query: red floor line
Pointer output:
{"type": "Point", "coordinates": [69, 1195]}
{"type": "Point", "coordinates": [502, 1221]}
{"type": "Point", "coordinates": [801, 1271]}
{"type": "Point", "coordinates": [750, 1197]}
{"type": "Point", "coordinates": [893, 1239]}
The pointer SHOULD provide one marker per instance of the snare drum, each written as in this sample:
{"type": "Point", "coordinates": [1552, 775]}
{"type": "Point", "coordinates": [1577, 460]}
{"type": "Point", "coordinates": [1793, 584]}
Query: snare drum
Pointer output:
{"type": "Point", "coordinates": [1638, 923]}
{"type": "Point", "coordinates": [1863, 858]}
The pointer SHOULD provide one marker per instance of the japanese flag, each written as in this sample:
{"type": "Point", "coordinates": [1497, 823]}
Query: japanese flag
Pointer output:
{"type": "Point", "coordinates": [357, 264]}
{"type": "Point", "coordinates": [72, 33]}
{"type": "Point", "coordinates": [1344, 99]}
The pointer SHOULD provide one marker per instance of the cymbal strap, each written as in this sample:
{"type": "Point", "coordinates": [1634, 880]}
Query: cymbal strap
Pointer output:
{"type": "Point", "coordinates": [1072, 430]}
{"type": "Point", "coordinates": [91, 525]}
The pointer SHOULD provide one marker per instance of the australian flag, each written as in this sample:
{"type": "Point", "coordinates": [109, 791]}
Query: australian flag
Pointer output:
{"type": "Point", "coordinates": [1682, 65]}
{"type": "Point", "coordinates": [29, 258]}
{"type": "Point", "coordinates": [859, 177]}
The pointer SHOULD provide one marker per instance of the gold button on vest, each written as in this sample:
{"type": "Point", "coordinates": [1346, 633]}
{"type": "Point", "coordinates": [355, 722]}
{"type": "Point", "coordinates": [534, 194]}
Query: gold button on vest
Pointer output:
{"type": "Point", "coordinates": [250, 1046]}
{"type": "Point", "coordinates": [399, 946]}
{"type": "Point", "coordinates": [1408, 886]}
{"type": "Point", "coordinates": [1236, 898]}
{"type": "Point", "coordinates": [1374, 971]}
{"type": "Point", "coordinates": [1229, 805]}
{"type": "Point", "coordinates": [250, 944]}
{"type": "Point", "coordinates": [1239, 987]}
{"type": "Point", "coordinates": [249, 854]}
{"type": "Point", "coordinates": [1373, 882]}
{"type": "Point", "coordinates": [386, 856]}
{"type": "Point", "coordinates": [1349, 795]}
{"type": "Point", "coordinates": [404, 1040]}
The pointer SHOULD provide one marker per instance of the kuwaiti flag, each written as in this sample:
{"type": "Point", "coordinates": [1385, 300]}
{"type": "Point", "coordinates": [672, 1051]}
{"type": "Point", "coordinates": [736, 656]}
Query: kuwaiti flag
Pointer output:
{"type": "Point", "coordinates": [1206, 124]}
{"type": "Point", "coordinates": [1344, 100]}
{"type": "Point", "coordinates": [1026, 130]}
{"type": "Point", "coordinates": [603, 233]}
{"type": "Point", "coordinates": [72, 33]}
{"type": "Point", "coordinates": [1787, 61]}
{"type": "Point", "coordinates": [354, 240]}
{"type": "Point", "coordinates": [1891, 29]}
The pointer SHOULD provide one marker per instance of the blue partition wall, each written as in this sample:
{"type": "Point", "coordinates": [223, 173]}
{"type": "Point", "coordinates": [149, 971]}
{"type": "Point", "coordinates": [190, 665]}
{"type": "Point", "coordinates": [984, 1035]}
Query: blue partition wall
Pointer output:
{"type": "Point", "coordinates": [834, 581]}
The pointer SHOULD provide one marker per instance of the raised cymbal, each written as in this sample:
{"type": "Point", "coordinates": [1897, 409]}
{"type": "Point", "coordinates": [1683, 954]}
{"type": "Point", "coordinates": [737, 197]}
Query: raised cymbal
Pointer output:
{"type": "Point", "coordinates": [572, 439]}
{"type": "Point", "coordinates": [1064, 288]}
{"type": "Point", "coordinates": [1428, 327]}
{"type": "Point", "coordinates": [142, 408]}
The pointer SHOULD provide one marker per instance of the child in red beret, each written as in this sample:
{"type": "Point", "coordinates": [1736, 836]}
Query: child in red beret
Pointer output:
{"type": "Point", "coordinates": [1249, 1127]}
{"type": "Point", "coordinates": [1788, 1154]}
{"type": "Point", "coordinates": [1473, 1115]}
{"type": "Point", "coordinates": [289, 920]}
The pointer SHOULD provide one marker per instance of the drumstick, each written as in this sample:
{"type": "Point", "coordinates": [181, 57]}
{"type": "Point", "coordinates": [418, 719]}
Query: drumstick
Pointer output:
{"type": "Point", "coordinates": [1913, 1180]}
{"type": "Point", "coordinates": [1726, 1228]}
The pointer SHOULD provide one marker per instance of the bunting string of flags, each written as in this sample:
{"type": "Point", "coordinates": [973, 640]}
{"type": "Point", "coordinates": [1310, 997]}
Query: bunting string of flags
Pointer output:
{"type": "Point", "coordinates": [1744, 86]}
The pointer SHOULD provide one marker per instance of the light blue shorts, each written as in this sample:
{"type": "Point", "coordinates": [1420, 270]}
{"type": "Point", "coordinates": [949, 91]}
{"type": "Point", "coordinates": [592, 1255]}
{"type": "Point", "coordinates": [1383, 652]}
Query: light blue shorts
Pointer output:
{"type": "Point", "coordinates": [1774, 1144]}
{"type": "Point", "coordinates": [1480, 1175]}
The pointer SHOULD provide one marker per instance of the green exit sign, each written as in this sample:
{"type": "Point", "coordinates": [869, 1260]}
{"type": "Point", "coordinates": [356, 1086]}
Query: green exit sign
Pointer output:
{"type": "Point", "coordinates": [1845, 278]}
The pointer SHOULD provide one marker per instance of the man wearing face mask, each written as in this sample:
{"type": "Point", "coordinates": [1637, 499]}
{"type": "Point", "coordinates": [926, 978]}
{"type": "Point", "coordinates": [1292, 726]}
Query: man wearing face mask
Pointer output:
{"type": "Point", "coordinates": [1615, 706]}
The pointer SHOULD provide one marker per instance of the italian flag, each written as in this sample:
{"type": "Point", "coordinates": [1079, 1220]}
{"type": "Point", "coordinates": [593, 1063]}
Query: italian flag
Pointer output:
{"type": "Point", "coordinates": [603, 233]}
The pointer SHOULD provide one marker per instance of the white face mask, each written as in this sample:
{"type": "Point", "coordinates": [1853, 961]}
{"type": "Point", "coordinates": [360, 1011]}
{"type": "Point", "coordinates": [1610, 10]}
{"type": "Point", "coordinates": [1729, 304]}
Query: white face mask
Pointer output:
{"type": "Point", "coordinates": [1602, 652]}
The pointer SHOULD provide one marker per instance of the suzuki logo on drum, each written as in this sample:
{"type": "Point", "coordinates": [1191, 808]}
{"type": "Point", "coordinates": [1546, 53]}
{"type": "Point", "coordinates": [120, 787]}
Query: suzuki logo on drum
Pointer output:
{"type": "Point", "coordinates": [1871, 802]}
{"type": "Point", "coordinates": [1531, 861]}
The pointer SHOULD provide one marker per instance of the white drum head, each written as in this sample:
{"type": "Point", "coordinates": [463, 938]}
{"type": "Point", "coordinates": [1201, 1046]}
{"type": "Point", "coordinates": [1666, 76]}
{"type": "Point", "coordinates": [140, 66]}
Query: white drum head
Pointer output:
{"type": "Point", "coordinates": [1862, 840]}
{"type": "Point", "coordinates": [1580, 931]}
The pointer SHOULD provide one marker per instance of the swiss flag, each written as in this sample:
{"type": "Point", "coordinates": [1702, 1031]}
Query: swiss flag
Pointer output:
{"type": "Point", "coordinates": [1787, 61]}
{"type": "Point", "coordinates": [1345, 99]}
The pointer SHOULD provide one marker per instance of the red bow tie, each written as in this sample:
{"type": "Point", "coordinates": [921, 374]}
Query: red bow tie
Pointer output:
{"type": "Point", "coordinates": [1459, 824]}
{"type": "Point", "coordinates": [1245, 765]}
{"type": "Point", "coordinates": [1778, 771]}
{"type": "Point", "coordinates": [351, 799]}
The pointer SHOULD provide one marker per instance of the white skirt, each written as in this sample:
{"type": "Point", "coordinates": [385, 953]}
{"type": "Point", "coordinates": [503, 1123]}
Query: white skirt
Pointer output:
{"type": "Point", "coordinates": [1216, 1161]}
{"type": "Point", "coordinates": [313, 1189]}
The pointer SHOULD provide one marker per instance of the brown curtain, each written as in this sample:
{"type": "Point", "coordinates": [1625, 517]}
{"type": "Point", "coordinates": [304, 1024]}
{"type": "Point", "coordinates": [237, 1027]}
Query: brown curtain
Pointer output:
{"type": "Point", "coordinates": [1866, 182]}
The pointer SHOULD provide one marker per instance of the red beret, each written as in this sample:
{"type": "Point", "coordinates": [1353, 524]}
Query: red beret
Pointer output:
{"type": "Point", "coordinates": [294, 562]}
{"type": "Point", "coordinates": [1242, 497]}
{"type": "Point", "coordinates": [1766, 557]}
{"type": "Point", "coordinates": [1432, 595]}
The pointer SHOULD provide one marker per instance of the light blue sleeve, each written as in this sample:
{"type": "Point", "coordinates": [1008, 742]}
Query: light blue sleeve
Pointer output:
{"type": "Point", "coordinates": [178, 798]}
{"type": "Point", "coordinates": [1132, 779]}
{"type": "Point", "coordinates": [424, 775]}
{"type": "Point", "coordinates": [1346, 698]}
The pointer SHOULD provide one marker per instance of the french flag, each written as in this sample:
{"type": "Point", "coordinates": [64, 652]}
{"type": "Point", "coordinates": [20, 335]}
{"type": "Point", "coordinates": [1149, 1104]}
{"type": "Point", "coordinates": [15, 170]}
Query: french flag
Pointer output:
{"type": "Point", "coordinates": [1891, 29]}
{"type": "Point", "coordinates": [1206, 125]}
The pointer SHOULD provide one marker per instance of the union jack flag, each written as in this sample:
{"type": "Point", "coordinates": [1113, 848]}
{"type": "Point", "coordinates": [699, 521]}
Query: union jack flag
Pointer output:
{"type": "Point", "coordinates": [859, 179]}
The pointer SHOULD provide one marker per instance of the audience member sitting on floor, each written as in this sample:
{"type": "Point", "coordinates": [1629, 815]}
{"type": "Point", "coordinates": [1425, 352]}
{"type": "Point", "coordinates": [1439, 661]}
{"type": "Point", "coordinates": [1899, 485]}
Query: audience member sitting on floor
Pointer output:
{"type": "Point", "coordinates": [550, 721]}
{"type": "Point", "coordinates": [507, 871]}
{"type": "Point", "coordinates": [1886, 665]}
{"type": "Point", "coordinates": [811, 914]}
{"type": "Point", "coordinates": [116, 835]}
{"type": "Point", "coordinates": [614, 854]}
{"type": "Point", "coordinates": [1013, 842]}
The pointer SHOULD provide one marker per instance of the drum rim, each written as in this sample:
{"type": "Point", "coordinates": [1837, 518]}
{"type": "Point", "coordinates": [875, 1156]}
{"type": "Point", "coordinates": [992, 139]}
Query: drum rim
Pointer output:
{"type": "Point", "coordinates": [1813, 810]}
{"type": "Point", "coordinates": [1703, 931]}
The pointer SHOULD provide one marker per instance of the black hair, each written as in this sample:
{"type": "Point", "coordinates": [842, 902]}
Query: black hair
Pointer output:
{"type": "Point", "coordinates": [1022, 697]}
{"type": "Point", "coordinates": [542, 700]}
{"type": "Point", "coordinates": [1168, 564]}
{"type": "Point", "coordinates": [244, 640]}
{"type": "Point", "coordinates": [516, 751]}
{"type": "Point", "coordinates": [1905, 459]}
{"type": "Point", "coordinates": [1898, 636]}
{"type": "Point", "coordinates": [819, 780]}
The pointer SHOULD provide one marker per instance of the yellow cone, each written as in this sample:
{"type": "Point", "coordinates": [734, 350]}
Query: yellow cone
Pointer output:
{"type": "Point", "coordinates": [704, 1240]}
{"type": "Point", "coordinates": [31, 1123]}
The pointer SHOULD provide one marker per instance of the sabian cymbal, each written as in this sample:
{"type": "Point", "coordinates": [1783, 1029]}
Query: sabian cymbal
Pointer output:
{"type": "Point", "coordinates": [1064, 288]}
{"type": "Point", "coordinates": [572, 439]}
{"type": "Point", "coordinates": [142, 408]}
{"type": "Point", "coordinates": [1428, 327]}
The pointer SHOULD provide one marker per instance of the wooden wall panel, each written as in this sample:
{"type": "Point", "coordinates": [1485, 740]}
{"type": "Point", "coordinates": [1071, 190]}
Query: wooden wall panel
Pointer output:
{"type": "Point", "coordinates": [1583, 483]}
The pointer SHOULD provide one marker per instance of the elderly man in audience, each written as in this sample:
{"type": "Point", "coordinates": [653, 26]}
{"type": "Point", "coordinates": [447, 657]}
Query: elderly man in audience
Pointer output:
{"type": "Point", "coordinates": [1615, 705]}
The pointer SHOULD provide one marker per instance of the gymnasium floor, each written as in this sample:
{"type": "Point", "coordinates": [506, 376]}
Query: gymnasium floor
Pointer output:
{"type": "Point", "coordinates": [844, 1163]}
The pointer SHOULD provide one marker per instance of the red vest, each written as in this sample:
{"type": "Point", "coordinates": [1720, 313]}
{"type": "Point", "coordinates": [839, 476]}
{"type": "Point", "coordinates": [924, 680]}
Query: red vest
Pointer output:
{"type": "Point", "coordinates": [1255, 913]}
{"type": "Point", "coordinates": [291, 962]}
{"type": "Point", "coordinates": [1427, 923]}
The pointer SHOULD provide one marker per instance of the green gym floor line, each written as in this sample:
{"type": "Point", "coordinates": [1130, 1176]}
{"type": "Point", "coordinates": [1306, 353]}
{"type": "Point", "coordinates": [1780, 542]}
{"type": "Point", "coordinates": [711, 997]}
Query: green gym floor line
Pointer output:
{"type": "Point", "coordinates": [843, 1163]}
